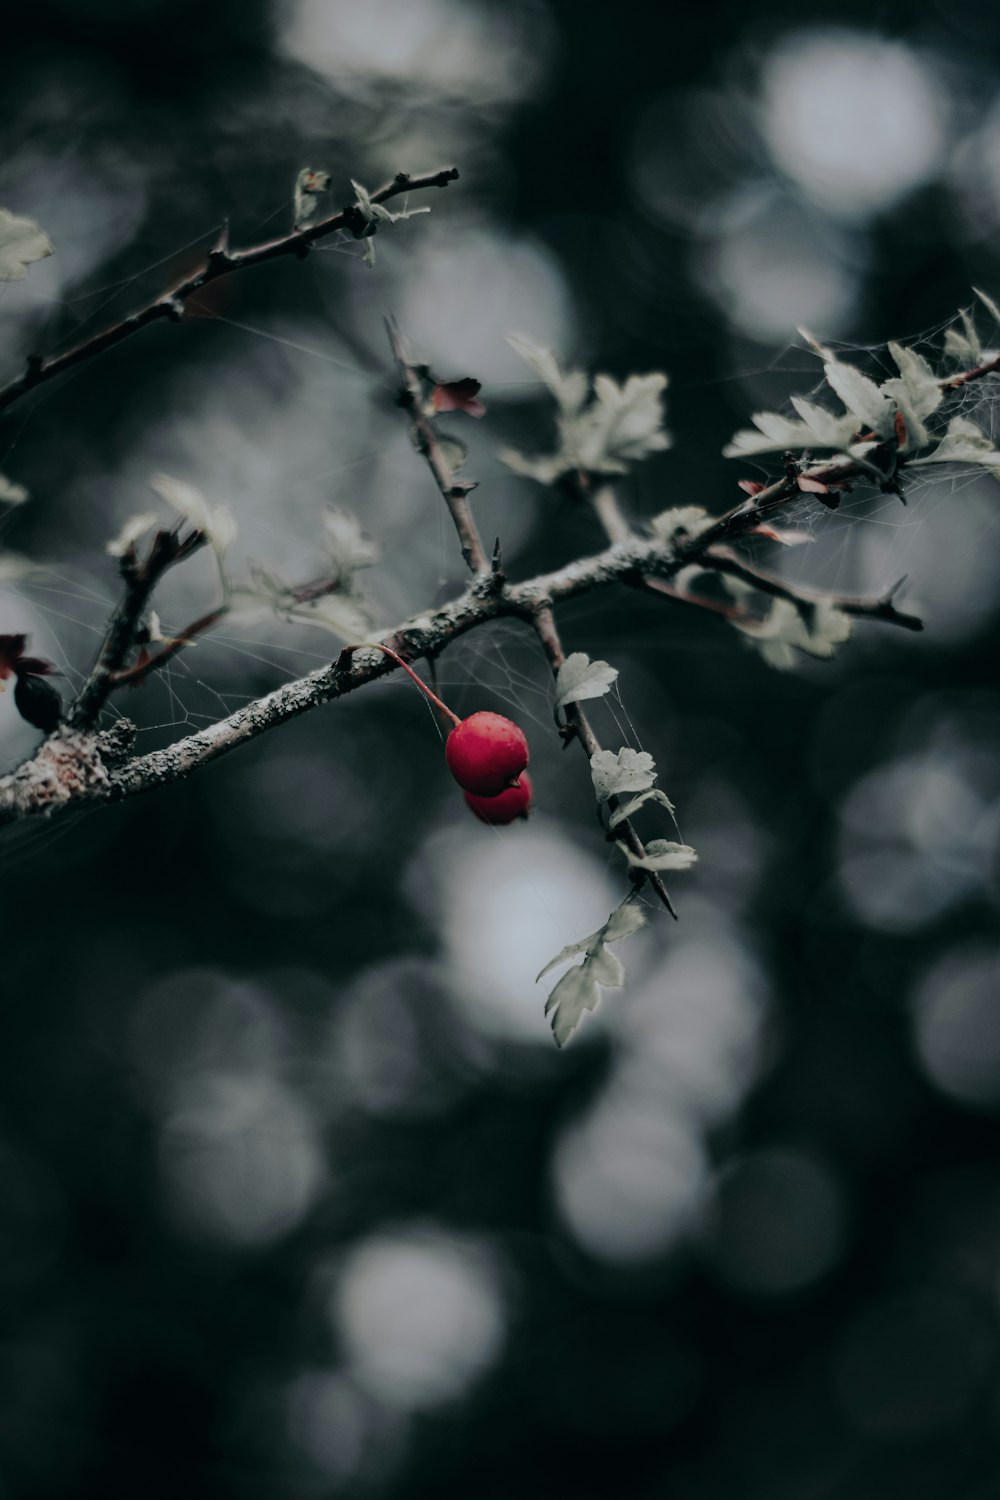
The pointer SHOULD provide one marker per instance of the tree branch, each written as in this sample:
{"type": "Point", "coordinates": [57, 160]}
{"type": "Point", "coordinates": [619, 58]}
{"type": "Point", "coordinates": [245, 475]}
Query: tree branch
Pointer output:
{"type": "Point", "coordinates": [544, 622]}
{"type": "Point", "coordinates": [141, 577]}
{"type": "Point", "coordinates": [220, 262]}
{"type": "Point", "coordinates": [722, 560]}
{"type": "Point", "coordinates": [69, 769]}
{"type": "Point", "coordinates": [455, 493]}
{"type": "Point", "coordinates": [542, 619]}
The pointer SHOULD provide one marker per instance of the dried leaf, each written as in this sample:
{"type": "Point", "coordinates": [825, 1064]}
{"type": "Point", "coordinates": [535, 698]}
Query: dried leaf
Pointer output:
{"type": "Point", "coordinates": [459, 395]}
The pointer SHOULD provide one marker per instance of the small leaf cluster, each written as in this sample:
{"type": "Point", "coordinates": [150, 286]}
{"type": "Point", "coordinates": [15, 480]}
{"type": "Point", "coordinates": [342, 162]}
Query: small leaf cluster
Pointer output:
{"type": "Point", "coordinates": [601, 429]}
{"type": "Point", "coordinates": [579, 989]}
{"type": "Point", "coordinates": [881, 425]}
{"type": "Point", "coordinates": [334, 600]}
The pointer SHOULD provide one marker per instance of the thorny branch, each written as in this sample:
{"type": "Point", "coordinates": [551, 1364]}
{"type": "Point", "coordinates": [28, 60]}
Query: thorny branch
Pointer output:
{"type": "Point", "coordinates": [542, 620]}
{"type": "Point", "coordinates": [70, 768]}
{"type": "Point", "coordinates": [140, 577]}
{"type": "Point", "coordinates": [722, 560]}
{"type": "Point", "coordinates": [454, 492]}
{"type": "Point", "coordinates": [221, 261]}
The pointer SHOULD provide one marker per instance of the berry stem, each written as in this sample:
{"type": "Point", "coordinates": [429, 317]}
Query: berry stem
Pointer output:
{"type": "Point", "coordinates": [377, 646]}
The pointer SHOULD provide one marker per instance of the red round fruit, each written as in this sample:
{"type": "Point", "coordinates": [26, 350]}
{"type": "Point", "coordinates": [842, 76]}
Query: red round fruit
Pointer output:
{"type": "Point", "coordinates": [515, 802]}
{"type": "Point", "coordinates": [486, 753]}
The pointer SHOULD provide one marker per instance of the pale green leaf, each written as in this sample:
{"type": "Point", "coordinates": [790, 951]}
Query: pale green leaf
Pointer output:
{"type": "Point", "coordinates": [860, 395]}
{"type": "Point", "coordinates": [215, 522]}
{"type": "Point", "coordinates": [346, 543]}
{"type": "Point", "coordinates": [629, 809]}
{"type": "Point", "coordinates": [774, 433]}
{"type": "Point", "coordinates": [569, 387]}
{"type": "Point", "coordinates": [661, 855]}
{"type": "Point", "coordinates": [689, 519]}
{"type": "Point", "coordinates": [628, 771]}
{"type": "Point", "coordinates": [579, 678]}
{"type": "Point", "coordinates": [825, 429]}
{"type": "Point", "coordinates": [989, 304]}
{"type": "Point", "coordinates": [544, 470]}
{"type": "Point", "coordinates": [579, 989]}
{"type": "Point", "coordinates": [452, 450]}
{"type": "Point", "coordinates": [309, 187]}
{"type": "Point", "coordinates": [11, 493]}
{"type": "Point", "coordinates": [625, 920]}
{"type": "Point", "coordinates": [134, 528]}
{"type": "Point", "coordinates": [22, 242]}
{"type": "Point", "coordinates": [963, 443]}
{"type": "Point", "coordinates": [963, 344]}
{"type": "Point", "coordinates": [785, 629]}
{"type": "Point", "coordinates": [624, 423]}
{"type": "Point", "coordinates": [347, 616]}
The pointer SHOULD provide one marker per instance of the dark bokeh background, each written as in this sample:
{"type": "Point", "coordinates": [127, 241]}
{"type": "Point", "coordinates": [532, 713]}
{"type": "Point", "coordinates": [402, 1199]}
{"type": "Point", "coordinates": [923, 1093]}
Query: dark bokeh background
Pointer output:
{"type": "Point", "coordinates": [296, 1196]}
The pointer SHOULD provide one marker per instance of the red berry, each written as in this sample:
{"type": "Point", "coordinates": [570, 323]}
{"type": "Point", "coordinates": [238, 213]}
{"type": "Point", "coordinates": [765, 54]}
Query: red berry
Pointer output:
{"type": "Point", "coordinates": [515, 802]}
{"type": "Point", "coordinates": [486, 753]}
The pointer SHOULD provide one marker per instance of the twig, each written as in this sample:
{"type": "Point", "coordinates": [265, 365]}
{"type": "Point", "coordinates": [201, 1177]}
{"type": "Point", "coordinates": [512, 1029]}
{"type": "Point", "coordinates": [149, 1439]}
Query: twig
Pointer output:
{"type": "Point", "coordinates": [221, 261]}
{"type": "Point", "coordinates": [142, 669]}
{"type": "Point", "coordinates": [604, 503]}
{"type": "Point", "coordinates": [722, 560]}
{"type": "Point", "coordinates": [454, 492]}
{"type": "Point", "coordinates": [544, 622]}
{"type": "Point", "coordinates": [141, 577]}
{"type": "Point", "coordinates": [959, 380]}
{"type": "Point", "coordinates": [714, 606]}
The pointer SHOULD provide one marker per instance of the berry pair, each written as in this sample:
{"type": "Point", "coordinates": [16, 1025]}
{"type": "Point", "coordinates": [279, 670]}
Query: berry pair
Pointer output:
{"type": "Point", "coordinates": [487, 755]}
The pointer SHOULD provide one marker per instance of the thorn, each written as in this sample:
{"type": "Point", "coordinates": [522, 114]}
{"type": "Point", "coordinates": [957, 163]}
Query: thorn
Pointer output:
{"type": "Point", "coordinates": [34, 364]}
